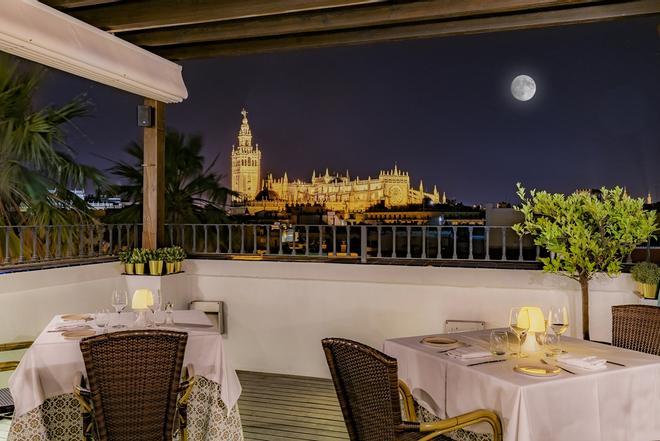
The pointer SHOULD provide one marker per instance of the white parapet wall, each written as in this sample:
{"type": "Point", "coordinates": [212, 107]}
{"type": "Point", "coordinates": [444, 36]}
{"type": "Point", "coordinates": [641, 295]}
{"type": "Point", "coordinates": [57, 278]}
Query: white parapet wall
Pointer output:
{"type": "Point", "coordinates": [278, 312]}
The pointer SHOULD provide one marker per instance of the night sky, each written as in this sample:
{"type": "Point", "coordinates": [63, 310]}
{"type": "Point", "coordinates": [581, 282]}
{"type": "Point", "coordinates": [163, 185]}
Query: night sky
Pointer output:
{"type": "Point", "coordinates": [440, 108]}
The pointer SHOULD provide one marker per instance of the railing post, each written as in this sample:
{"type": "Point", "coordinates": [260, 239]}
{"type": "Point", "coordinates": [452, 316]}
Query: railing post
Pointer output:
{"type": "Point", "coordinates": [348, 240]}
{"type": "Point", "coordinates": [393, 242]}
{"type": "Point", "coordinates": [503, 230]}
{"type": "Point", "coordinates": [242, 239]}
{"type": "Point", "coordinates": [33, 257]}
{"type": "Point", "coordinates": [321, 237]}
{"type": "Point", "coordinates": [423, 242]}
{"type": "Point", "coordinates": [306, 240]}
{"type": "Point", "coordinates": [111, 250]}
{"type": "Point", "coordinates": [7, 234]}
{"type": "Point", "coordinates": [254, 239]}
{"type": "Point", "coordinates": [363, 244]}
{"type": "Point", "coordinates": [58, 249]}
{"type": "Point", "coordinates": [206, 239]}
{"type": "Point", "coordinates": [90, 251]}
{"type": "Point", "coordinates": [267, 239]}
{"type": "Point", "coordinates": [520, 248]}
{"type": "Point", "coordinates": [334, 240]}
{"type": "Point", "coordinates": [487, 234]}
{"type": "Point", "coordinates": [378, 232]}
{"type": "Point", "coordinates": [470, 235]}
{"type": "Point", "coordinates": [408, 255]}
{"type": "Point", "coordinates": [101, 232]}
{"type": "Point", "coordinates": [229, 240]}
{"type": "Point", "coordinates": [439, 231]}
{"type": "Point", "coordinates": [47, 246]}
{"type": "Point", "coordinates": [281, 239]}
{"type": "Point", "coordinates": [217, 239]}
{"type": "Point", "coordinates": [455, 240]}
{"type": "Point", "coordinates": [20, 247]}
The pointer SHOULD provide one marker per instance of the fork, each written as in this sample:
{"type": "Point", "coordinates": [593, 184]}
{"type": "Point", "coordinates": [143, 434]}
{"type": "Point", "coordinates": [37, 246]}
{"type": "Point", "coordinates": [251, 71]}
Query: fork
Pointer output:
{"type": "Point", "coordinates": [556, 365]}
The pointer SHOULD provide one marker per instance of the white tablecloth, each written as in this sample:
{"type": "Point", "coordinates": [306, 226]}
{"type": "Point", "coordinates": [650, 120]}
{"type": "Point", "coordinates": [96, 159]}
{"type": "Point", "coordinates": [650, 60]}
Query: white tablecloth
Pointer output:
{"type": "Point", "coordinates": [48, 367]}
{"type": "Point", "coordinates": [618, 403]}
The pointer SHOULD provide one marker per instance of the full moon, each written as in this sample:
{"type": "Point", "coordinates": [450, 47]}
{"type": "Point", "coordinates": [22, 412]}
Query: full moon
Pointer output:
{"type": "Point", "coordinates": [523, 87]}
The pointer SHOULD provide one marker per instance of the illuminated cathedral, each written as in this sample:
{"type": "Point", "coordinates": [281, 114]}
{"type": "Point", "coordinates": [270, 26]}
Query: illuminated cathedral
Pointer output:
{"type": "Point", "coordinates": [334, 191]}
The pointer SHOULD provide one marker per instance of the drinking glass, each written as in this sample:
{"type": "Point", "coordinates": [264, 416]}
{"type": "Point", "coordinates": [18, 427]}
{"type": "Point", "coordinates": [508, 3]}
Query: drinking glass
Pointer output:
{"type": "Point", "coordinates": [519, 325]}
{"type": "Point", "coordinates": [558, 322]}
{"type": "Point", "coordinates": [156, 305]}
{"type": "Point", "coordinates": [499, 342]}
{"type": "Point", "coordinates": [119, 302]}
{"type": "Point", "coordinates": [101, 319]}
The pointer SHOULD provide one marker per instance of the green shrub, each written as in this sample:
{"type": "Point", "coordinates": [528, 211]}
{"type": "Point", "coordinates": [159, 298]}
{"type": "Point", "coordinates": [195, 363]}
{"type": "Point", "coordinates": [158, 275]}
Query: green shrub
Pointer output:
{"type": "Point", "coordinates": [646, 272]}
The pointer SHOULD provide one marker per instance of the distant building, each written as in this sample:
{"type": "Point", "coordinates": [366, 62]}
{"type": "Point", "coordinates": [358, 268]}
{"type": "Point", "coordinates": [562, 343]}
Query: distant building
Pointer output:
{"type": "Point", "coordinates": [333, 191]}
{"type": "Point", "coordinates": [99, 202]}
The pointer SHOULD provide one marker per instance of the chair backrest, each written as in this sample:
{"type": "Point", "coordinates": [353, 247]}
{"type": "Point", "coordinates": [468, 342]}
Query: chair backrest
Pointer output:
{"type": "Point", "coordinates": [636, 327]}
{"type": "Point", "coordinates": [366, 385]}
{"type": "Point", "coordinates": [134, 381]}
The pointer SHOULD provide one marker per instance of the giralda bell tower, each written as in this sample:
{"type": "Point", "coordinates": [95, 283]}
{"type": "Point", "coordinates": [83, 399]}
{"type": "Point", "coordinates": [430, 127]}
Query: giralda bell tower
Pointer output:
{"type": "Point", "coordinates": [245, 164]}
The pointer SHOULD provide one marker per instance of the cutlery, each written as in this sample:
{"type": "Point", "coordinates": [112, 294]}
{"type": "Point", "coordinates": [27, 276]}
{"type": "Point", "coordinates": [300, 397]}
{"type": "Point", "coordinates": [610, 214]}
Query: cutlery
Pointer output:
{"type": "Point", "coordinates": [485, 362]}
{"type": "Point", "coordinates": [614, 362]}
{"type": "Point", "coordinates": [460, 345]}
{"type": "Point", "coordinates": [556, 365]}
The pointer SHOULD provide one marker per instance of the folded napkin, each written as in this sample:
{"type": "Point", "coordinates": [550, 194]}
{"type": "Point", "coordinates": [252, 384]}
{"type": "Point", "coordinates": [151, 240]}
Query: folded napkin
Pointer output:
{"type": "Point", "coordinates": [468, 352]}
{"type": "Point", "coordinates": [591, 363]}
{"type": "Point", "coordinates": [70, 327]}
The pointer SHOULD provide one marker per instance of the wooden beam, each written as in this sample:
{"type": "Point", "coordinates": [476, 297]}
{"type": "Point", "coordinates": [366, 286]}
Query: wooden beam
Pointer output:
{"type": "Point", "coordinates": [336, 19]}
{"type": "Point", "coordinates": [70, 4]}
{"type": "Point", "coordinates": [577, 15]}
{"type": "Point", "coordinates": [153, 186]}
{"type": "Point", "coordinates": [148, 14]}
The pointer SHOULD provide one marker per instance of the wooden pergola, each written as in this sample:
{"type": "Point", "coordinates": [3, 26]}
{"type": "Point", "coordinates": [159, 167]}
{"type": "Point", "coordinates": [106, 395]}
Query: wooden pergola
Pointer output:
{"type": "Point", "coordinates": [179, 30]}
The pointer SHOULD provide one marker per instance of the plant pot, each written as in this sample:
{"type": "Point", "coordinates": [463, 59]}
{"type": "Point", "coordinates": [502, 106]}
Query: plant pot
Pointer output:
{"type": "Point", "coordinates": [170, 267]}
{"type": "Point", "coordinates": [648, 290]}
{"type": "Point", "coordinates": [139, 268]}
{"type": "Point", "coordinates": [129, 268]}
{"type": "Point", "coordinates": [153, 268]}
{"type": "Point", "coordinates": [178, 266]}
{"type": "Point", "coordinates": [160, 267]}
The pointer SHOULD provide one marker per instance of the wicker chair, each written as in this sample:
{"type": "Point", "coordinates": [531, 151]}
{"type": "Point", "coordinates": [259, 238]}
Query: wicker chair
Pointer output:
{"type": "Point", "coordinates": [369, 391]}
{"type": "Point", "coordinates": [636, 327]}
{"type": "Point", "coordinates": [6, 401]}
{"type": "Point", "coordinates": [134, 381]}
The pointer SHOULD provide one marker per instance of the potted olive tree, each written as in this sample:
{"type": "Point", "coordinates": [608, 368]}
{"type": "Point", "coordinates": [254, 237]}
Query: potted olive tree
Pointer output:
{"type": "Point", "coordinates": [647, 276]}
{"type": "Point", "coordinates": [586, 233]}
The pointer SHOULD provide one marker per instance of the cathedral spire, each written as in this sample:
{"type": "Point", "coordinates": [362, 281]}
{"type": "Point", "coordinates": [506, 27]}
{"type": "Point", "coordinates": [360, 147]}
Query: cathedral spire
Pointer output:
{"type": "Point", "coordinates": [244, 133]}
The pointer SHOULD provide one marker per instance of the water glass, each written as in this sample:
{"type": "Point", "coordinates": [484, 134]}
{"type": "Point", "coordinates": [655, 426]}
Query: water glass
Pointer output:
{"type": "Point", "coordinates": [101, 320]}
{"type": "Point", "coordinates": [499, 342]}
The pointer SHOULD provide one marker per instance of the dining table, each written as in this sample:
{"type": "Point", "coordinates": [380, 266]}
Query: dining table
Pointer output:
{"type": "Point", "coordinates": [619, 401]}
{"type": "Point", "coordinates": [42, 384]}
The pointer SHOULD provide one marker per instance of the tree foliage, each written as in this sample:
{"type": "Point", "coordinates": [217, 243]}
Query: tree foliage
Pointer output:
{"type": "Point", "coordinates": [586, 232]}
{"type": "Point", "coordinates": [37, 167]}
{"type": "Point", "coordinates": [193, 193]}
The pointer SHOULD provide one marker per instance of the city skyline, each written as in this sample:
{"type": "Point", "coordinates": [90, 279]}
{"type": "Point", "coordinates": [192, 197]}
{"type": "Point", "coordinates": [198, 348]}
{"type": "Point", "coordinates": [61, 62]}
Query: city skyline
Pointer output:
{"type": "Point", "coordinates": [439, 108]}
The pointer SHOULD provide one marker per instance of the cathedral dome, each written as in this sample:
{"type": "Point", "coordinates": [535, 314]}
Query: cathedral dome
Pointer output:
{"type": "Point", "coordinates": [266, 195]}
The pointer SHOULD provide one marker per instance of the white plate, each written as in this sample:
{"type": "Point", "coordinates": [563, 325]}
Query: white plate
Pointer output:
{"type": "Point", "coordinates": [438, 341]}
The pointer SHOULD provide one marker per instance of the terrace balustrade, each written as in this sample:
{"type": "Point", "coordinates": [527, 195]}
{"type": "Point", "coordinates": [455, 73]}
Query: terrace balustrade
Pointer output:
{"type": "Point", "coordinates": [358, 243]}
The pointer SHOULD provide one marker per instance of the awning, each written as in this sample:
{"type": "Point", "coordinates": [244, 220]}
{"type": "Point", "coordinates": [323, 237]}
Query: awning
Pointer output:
{"type": "Point", "coordinates": [42, 34]}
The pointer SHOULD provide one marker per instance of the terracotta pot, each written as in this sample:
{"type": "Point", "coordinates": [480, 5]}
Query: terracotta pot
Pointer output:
{"type": "Point", "coordinates": [129, 268]}
{"type": "Point", "coordinates": [139, 268]}
{"type": "Point", "coordinates": [170, 267]}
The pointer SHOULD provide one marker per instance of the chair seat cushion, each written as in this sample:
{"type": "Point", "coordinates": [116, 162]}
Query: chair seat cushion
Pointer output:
{"type": "Point", "coordinates": [6, 402]}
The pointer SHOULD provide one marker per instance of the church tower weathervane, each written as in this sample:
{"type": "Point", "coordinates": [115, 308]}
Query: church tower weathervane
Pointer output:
{"type": "Point", "coordinates": [245, 163]}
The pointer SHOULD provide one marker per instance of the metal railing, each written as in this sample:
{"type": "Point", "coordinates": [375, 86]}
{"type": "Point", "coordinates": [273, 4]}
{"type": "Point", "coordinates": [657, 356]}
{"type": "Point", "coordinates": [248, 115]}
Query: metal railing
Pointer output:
{"type": "Point", "coordinates": [358, 243]}
{"type": "Point", "coordinates": [361, 242]}
{"type": "Point", "coordinates": [45, 243]}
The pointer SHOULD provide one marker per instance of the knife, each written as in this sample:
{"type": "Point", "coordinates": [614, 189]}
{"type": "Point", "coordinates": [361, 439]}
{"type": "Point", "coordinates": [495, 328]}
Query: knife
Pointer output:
{"type": "Point", "coordinates": [489, 361]}
{"type": "Point", "coordinates": [614, 362]}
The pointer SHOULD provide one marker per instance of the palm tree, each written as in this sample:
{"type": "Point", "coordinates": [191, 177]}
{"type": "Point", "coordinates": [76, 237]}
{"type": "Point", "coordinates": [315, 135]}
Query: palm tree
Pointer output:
{"type": "Point", "coordinates": [37, 167]}
{"type": "Point", "coordinates": [193, 193]}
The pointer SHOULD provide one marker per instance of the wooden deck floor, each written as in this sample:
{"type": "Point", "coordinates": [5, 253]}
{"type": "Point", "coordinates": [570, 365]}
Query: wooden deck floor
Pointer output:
{"type": "Point", "coordinates": [286, 407]}
{"type": "Point", "coordinates": [282, 407]}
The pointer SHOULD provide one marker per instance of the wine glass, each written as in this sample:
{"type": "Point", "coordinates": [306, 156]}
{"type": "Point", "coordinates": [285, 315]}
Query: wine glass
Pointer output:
{"type": "Point", "coordinates": [119, 302]}
{"type": "Point", "coordinates": [558, 322]}
{"type": "Point", "coordinates": [156, 305]}
{"type": "Point", "coordinates": [519, 325]}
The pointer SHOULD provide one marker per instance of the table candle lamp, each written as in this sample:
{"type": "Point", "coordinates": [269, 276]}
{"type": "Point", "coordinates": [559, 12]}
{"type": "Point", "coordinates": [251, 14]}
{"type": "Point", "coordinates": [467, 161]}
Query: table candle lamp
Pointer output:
{"type": "Point", "coordinates": [534, 321]}
{"type": "Point", "coordinates": [142, 300]}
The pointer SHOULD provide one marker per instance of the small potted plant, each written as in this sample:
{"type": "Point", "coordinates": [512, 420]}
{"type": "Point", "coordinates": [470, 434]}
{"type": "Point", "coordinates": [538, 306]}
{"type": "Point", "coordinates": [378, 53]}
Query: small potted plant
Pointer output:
{"type": "Point", "coordinates": [179, 256]}
{"type": "Point", "coordinates": [170, 259]}
{"type": "Point", "coordinates": [125, 259]}
{"type": "Point", "coordinates": [139, 258]}
{"type": "Point", "coordinates": [155, 262]}
{"type": "Point", "coordinates": [647, 276]}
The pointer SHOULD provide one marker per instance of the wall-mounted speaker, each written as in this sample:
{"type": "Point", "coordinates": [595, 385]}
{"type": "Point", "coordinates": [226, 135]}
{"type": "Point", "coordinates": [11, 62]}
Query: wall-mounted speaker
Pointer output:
{"type": "Point", "coordinates": [145, 116]}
